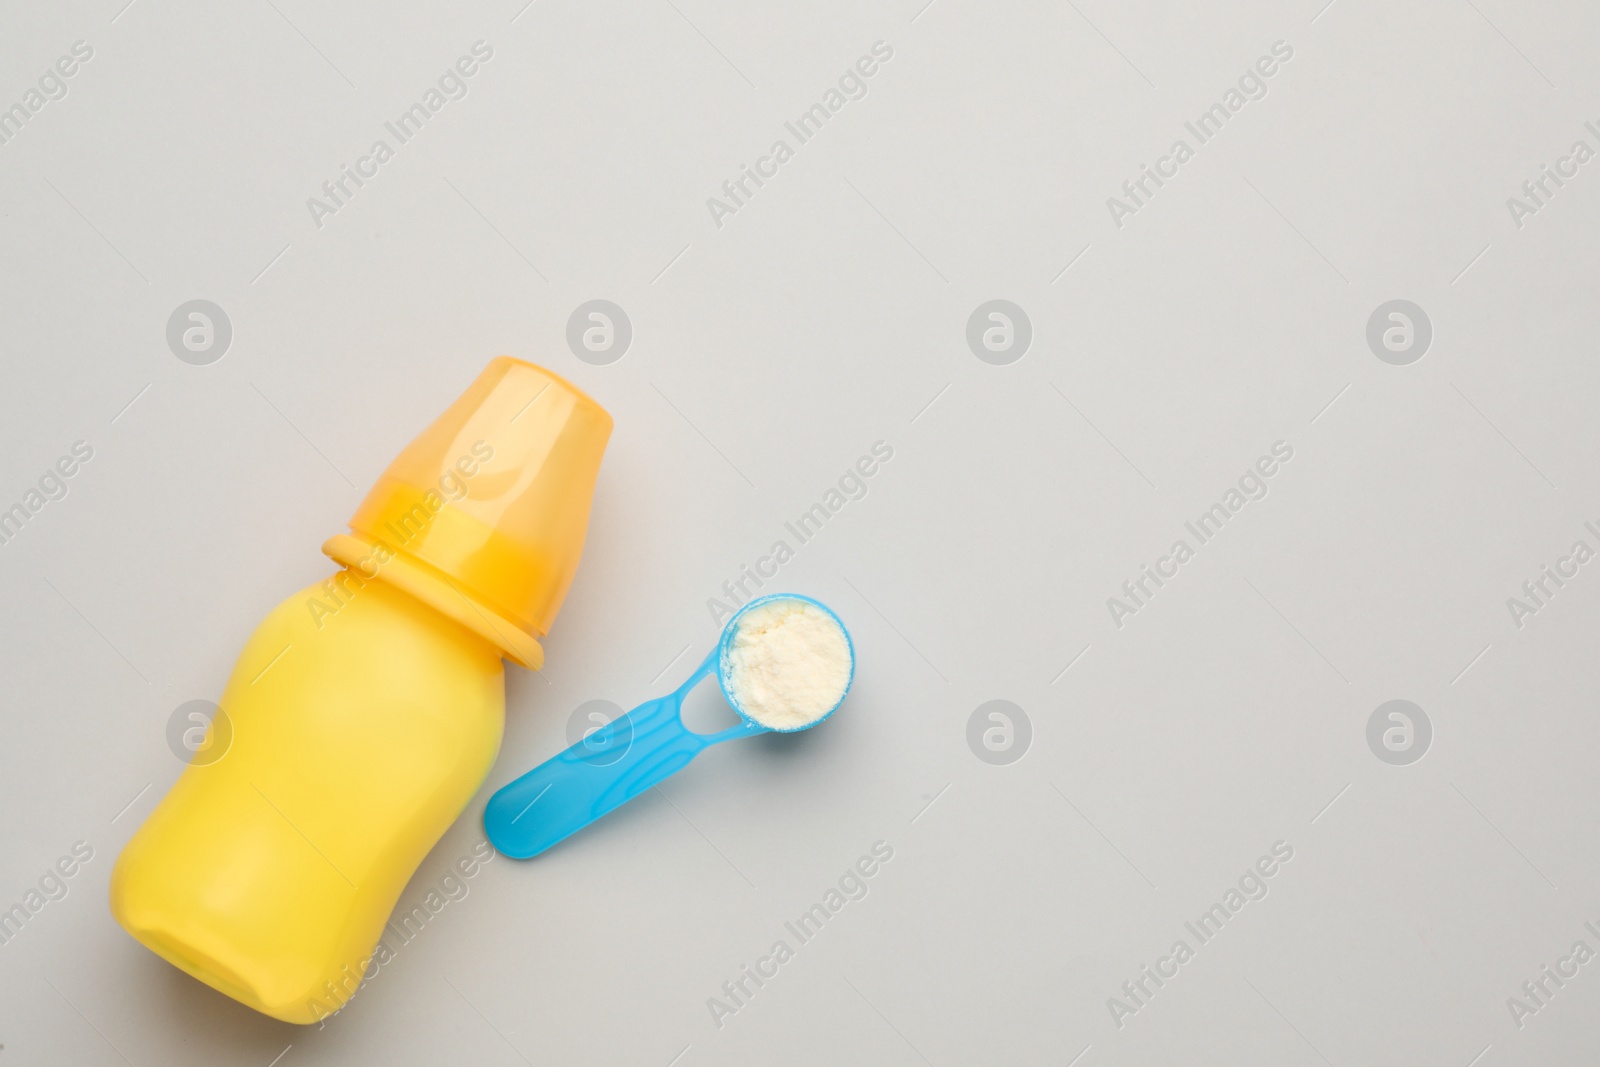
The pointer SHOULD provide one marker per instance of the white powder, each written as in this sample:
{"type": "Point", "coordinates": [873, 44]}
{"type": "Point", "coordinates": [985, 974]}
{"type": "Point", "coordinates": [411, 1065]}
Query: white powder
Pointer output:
{"type": "Point", "coordinates": [788, 664]}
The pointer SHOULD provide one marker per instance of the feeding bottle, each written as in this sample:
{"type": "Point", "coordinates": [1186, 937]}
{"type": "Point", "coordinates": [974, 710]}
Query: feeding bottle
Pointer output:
{"type": "Point", "coordinates": [366, 709]}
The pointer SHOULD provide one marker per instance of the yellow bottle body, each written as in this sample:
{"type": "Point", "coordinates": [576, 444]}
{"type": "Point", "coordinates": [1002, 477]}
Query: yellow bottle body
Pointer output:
{"type": "Point", "coordinates": [363, 721]}
{"type": "Point", "coordinates": [366, 711]}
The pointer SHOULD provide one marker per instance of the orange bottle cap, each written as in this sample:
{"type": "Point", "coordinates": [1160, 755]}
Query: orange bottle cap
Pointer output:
{"type": "Point", "coordinates": [483, 515]}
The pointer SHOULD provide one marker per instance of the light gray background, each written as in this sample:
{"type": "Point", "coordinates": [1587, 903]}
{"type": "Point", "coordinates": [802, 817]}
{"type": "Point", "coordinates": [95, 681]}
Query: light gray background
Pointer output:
{"type": "Point", "coordinates": [827, 314]}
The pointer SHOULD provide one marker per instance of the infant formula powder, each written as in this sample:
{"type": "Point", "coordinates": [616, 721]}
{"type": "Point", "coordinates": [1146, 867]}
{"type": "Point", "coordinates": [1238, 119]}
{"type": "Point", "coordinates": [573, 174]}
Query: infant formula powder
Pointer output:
{"type": "Point", "coordinates": [788, 664]}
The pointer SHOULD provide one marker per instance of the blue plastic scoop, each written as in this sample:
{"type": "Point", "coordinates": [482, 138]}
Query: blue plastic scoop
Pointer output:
{"type": "Point", "coordinates": [625, 757]}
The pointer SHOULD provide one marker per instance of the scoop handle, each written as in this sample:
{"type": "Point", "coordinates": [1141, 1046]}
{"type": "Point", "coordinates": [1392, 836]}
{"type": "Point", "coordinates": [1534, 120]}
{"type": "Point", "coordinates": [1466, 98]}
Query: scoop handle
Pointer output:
{"type": "Point", "coordinates": [574, 788]}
